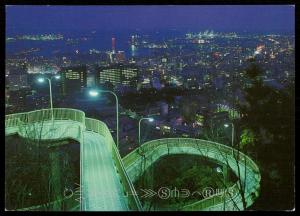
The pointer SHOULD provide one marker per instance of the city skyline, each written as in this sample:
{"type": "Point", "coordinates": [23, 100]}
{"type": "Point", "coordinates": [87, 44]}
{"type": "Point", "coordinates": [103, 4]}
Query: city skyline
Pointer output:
{"type": "Point", "coordinates": [128, 104]}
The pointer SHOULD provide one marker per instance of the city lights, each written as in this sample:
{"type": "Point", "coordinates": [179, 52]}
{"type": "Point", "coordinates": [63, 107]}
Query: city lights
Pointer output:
{"type": "Point", "coordinates": [105, 114]}
{"type": "Point", "coordinates": [93, 93]}
{"type": "Point", "coordinates": [41, 80]}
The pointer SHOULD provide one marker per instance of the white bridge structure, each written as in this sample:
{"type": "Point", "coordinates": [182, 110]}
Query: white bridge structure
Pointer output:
{"type": "Point", "coordinates": [248, 187]}
{"type": "Point", "coordinates": [106, 179]}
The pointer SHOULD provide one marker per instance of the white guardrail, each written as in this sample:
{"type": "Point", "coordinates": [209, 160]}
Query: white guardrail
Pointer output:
{"type": "Point", "coordinates": [200, 146]}
{"type": "Point", "coordinates": [19, 119]}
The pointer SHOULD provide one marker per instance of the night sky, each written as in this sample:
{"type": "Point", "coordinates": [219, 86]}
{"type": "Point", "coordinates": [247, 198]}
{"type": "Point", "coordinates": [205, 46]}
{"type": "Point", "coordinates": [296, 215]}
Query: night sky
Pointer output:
{"type": "Point", "coordinates": [263, 18]}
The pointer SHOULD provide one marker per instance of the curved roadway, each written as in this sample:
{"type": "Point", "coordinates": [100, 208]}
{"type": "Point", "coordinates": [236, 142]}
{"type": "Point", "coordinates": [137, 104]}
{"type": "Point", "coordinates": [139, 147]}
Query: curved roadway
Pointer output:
{"type": "Point", "coordinates": [155, 149]}
{"type": "Point", "coordinates": [100, 182]}
{"type": "Point", "coordinates": [101, 188]}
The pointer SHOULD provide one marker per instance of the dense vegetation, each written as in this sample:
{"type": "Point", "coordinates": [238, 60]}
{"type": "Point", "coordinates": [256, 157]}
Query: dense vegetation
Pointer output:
{"type": "Point", "coordinates": [36, 174]}
{"type": "Point", "coordinates": [193, 173]}
{"type": "Point", "coordinates": [267, 129]}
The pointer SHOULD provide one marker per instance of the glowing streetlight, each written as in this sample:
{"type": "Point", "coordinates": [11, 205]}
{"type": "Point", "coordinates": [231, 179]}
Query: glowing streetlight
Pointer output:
{"type": "Point", "coordinates": [150, 120]}
{"type": "Point", "coordinates": [219, 170]}
{"type": "Point", "coordinates": [95, 93]}
{"type": "Point", "coordinates": [232, 134]}
{"type": "Point", "coordinates": [42, 80]}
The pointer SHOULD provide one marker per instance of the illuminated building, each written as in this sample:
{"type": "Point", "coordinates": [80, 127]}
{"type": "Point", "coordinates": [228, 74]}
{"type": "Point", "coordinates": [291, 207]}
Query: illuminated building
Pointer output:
{"type": "Point", "coordinates": [132, 39]}
{"type": "Point", "coordinates": [113, 45]}
{"type": "Point", "coordinates": [259, 49]}
{"type": "Point", "coordinates": [90, 80]}
{"type": "Point", "coordinates": [120, 57]}
{"type": "Point", "coordinates": [116, 74]}
{"type": "Point", "coordinates": [16, 81]}
{"type": "Point", "coordinates": [191, 83]}
{"type": "Point", "coordinates": [16, 99]}
{"type": "Point", "coordinates": [73, 79]}
{"type": "Point", "coordinates": [17, 77]}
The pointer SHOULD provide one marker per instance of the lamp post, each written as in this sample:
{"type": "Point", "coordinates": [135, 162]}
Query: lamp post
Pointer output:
{"type": "Point", "coordinates": [41, 80]}
{"type": "Point", "coordinates": [95, 93]}
{"type": "Point", "coordinates": [219, 170]}
{"type": "Point", "coordinates": [232, 134]}
{"type": "Point", "coordinates": [150, 120]}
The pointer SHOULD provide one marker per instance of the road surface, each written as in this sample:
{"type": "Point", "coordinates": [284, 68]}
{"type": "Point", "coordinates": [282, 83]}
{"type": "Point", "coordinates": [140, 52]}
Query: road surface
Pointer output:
{"type": "Point", "coordinates": [101, 188]}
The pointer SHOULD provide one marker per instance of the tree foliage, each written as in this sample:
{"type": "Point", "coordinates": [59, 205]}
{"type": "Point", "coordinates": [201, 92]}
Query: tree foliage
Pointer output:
{"type": "Point", "coordinates": [247, 139]}
{"type": "Point", "coordinates": [267, 120]}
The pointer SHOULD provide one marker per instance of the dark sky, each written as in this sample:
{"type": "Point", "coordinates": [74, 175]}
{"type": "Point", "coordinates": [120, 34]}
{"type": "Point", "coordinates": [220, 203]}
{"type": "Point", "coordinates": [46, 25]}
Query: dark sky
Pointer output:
{"type": "Point", "coordinates": [263, 18]}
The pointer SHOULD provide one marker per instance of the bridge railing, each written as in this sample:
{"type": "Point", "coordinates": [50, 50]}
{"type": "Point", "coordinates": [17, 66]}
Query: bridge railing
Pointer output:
{"type": "Point", "coordinates": [190, 142]}
{"type": "Point", "coordinates": [19, 120]}
{"type": "Point", "coordinates": [130, 192]}
{"type": "Point", "coordinates": [14, 120]}
{"type": "Point", "coordinates": [101, 128]}
{"type": "Point", "coordinates": [212, 147]}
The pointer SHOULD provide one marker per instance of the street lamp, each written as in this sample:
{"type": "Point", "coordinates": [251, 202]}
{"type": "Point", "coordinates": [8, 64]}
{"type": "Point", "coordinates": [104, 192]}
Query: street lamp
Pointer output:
{"type": "Point", "coordinates": [232, 134]}
{"type": "Point", "coordinates": [219, 170]}
{"type": "Point", "coordinates": [42, 80]}
{"type": "Point", "coordinates": [147, 118]}
{"type": "Point", "coordinates": [95, 93]}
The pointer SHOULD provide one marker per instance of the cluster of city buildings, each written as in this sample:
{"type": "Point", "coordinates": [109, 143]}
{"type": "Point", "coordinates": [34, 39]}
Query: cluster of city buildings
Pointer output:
{"type": "Point", "coordinates": [206, 62]}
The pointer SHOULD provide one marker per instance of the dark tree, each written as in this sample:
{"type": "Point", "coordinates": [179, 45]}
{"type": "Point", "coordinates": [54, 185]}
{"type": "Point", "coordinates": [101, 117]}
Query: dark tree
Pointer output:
{"type": "Point", "coordinates": [269, 114]}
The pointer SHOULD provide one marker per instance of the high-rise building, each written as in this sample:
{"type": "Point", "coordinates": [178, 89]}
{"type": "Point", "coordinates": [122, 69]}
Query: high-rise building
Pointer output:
{"type": "Point", "coordinates": [113, 45]}
{"type": "Point", "coordinates": [90, 80]}
{"type": "Point", "coordinates": [73, 79]}
{"type": "Point", "coordinates": [117, 74]}
{"type": "Point", "coordinates": [120, 57]}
